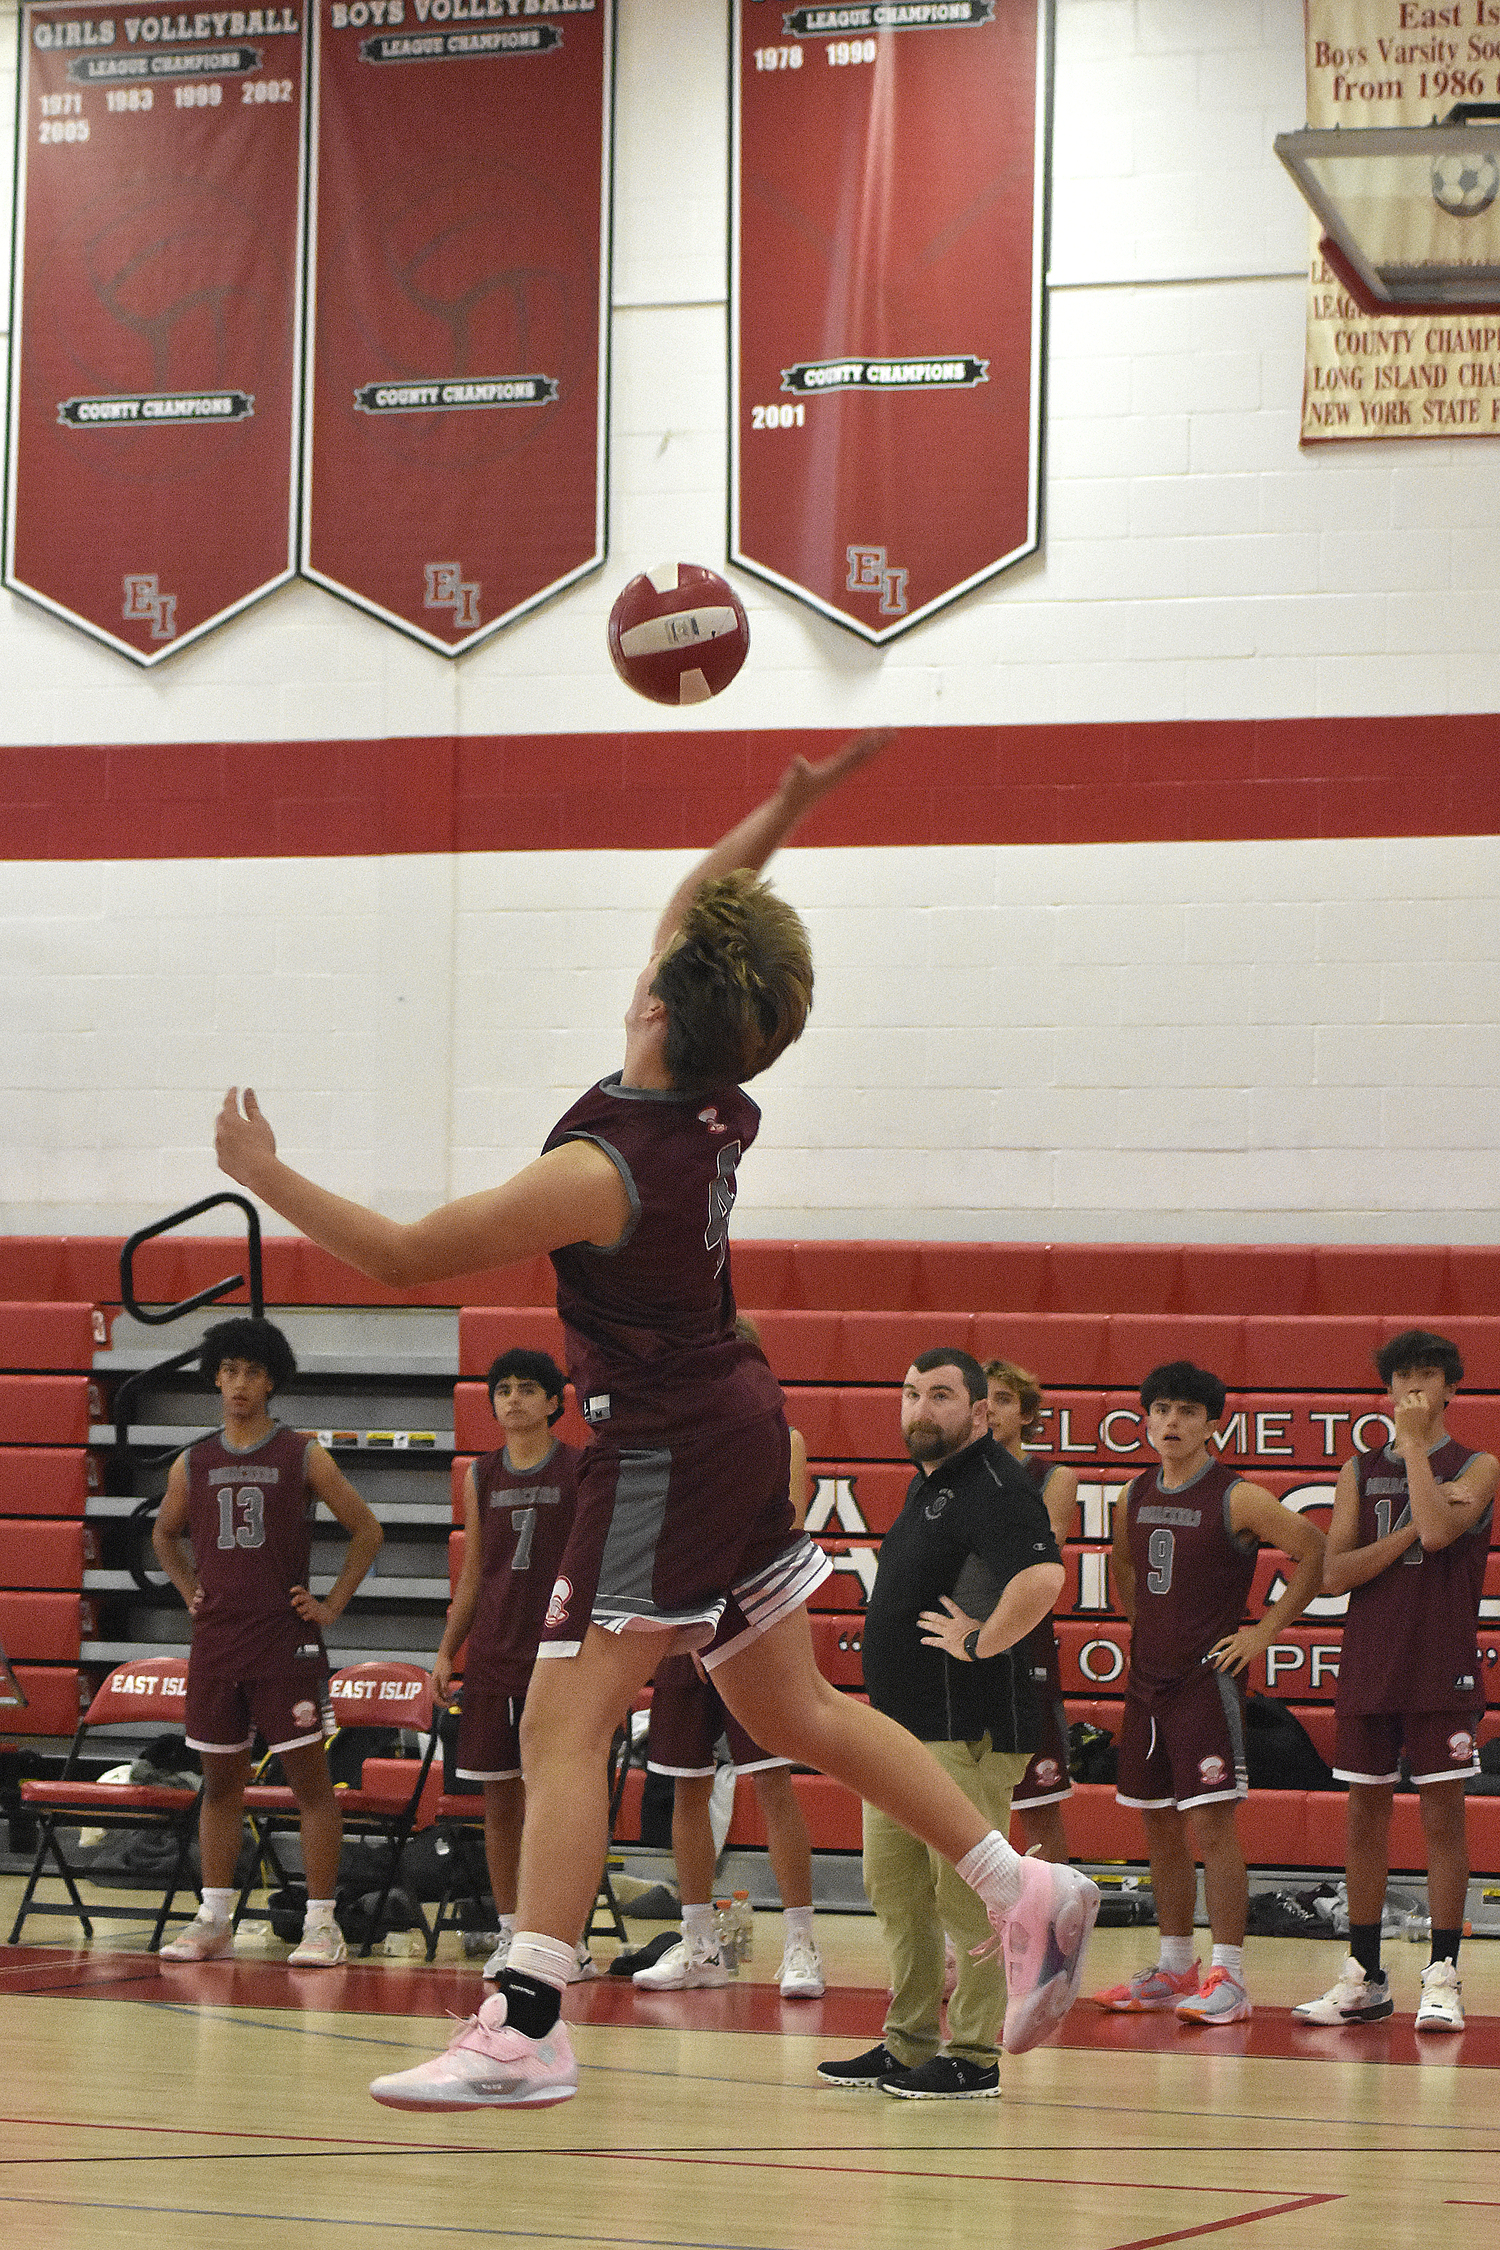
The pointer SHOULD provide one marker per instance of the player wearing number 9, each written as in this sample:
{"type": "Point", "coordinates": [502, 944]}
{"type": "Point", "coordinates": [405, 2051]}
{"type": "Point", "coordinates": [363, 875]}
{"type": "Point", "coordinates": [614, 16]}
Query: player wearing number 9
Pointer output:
{"type": "Point", "coordinates": [1185, 1543]}
{"type": "Point", "coordinates": [245, 1496]}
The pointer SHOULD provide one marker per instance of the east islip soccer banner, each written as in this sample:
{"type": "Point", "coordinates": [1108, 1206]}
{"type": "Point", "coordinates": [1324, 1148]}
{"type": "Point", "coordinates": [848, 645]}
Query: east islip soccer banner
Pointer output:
{"type": "Point", "coordinates": [1402, 374]}
{"type": "Point", "coordinates": [888, 229]}
{"type": "Point", "coordinates": [455, 461]}
{"type": "Point", "coordinates": [156, 321]}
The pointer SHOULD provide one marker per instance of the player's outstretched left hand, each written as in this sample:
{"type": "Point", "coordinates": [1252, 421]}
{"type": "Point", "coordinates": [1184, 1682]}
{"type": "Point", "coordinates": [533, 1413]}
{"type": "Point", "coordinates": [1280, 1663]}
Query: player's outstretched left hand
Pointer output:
{"type": "Point", "coordinates": [243, 1139]}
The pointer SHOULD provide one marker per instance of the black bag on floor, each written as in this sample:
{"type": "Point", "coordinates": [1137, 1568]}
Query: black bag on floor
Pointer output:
{"type": "Point", "coordinates": [1279, 1751]}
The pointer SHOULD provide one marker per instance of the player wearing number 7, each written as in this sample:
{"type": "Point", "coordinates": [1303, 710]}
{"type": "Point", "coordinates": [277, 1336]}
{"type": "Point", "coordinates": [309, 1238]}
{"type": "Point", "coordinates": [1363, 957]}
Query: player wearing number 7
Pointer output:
{"type": "Point", "coordinates": [1185, 1542]}
{"type": "Point", "coordinates": [246, 1496]}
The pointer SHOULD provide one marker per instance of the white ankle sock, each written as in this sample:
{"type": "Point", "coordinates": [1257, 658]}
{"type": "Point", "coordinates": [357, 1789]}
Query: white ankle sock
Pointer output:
{"type": "Point", "coordinates": [220, 1904]}
{"type": "Point", "coordinates": [319, 1915]}
{"type": "Point", "coordinates": [1176, 1955]}
{"type": "Point", "coordinates": [993, 1870]}
{"type": "Point", "coordinates": [797, 1921]}
{"type": "Point", "coordinates": [698, 1926]}
{"type": "Point", "coordinates": [1232, 1958]}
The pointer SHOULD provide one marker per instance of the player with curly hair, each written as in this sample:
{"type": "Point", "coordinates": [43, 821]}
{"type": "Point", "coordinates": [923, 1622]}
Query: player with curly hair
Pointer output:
{"type": "Point", "coordinates": [684, 1536]}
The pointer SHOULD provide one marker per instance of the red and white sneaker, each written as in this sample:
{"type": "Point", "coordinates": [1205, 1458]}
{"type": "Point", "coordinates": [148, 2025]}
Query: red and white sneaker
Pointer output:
{"type": "Point", "coordinates": [1221, 1999]}
{"type": "Point", "coordinates": [488, 2065]}
{"type": "Point", "coordinates": [1149, 1992]}
{"type": "Point", "coordinates": [1042, 1940]}
{"type": "Point", "coordinates": [204, 1939]}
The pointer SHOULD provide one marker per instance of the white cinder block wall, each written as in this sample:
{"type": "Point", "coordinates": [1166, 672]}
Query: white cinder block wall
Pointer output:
{"type": "Point", "coordinates": [1252, 1041]}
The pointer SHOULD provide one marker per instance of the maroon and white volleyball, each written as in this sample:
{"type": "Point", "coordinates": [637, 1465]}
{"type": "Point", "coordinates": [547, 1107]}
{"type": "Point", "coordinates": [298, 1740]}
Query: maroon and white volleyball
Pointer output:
{"type": "Point", "coordinates": [678, 634]}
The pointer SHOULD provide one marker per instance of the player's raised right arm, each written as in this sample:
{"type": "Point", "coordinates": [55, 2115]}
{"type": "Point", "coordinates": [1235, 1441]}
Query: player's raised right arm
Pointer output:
{"type": "Point", "coordinates": [572, 1194]}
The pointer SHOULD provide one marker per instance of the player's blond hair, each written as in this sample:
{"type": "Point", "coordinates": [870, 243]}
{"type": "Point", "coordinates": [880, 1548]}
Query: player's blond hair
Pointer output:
{"type": "Point", "coordinates": [736, 981]}
{"type": "Point", "coordinates": [1028, 1390]}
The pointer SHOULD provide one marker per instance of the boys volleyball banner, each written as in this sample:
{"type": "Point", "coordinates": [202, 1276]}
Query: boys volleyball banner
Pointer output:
{"type": "Point", "coordinates": [1401, 374]}
{"type": "Point", "coordinates": [888, 235]}
{"type": "Point", "coordinates": [156, 318]}
{"type": "Point", "coordinates": [455, 455]}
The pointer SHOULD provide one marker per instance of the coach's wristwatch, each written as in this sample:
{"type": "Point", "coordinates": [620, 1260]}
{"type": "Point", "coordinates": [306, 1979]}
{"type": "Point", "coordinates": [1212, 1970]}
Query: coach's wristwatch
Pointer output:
{"type": "Point", "coordinates": [971, 1645]}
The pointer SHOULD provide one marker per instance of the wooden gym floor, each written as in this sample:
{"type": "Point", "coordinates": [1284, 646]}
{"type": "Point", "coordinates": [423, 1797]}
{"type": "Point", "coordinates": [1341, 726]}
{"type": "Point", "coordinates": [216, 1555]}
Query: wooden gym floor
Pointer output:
{"type": "Point", "coordinates": [224, 2106]}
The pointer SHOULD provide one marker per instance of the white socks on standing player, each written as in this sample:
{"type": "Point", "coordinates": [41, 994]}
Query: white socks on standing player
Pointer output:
{"type": "Point", "coordinates": [993, 1870]}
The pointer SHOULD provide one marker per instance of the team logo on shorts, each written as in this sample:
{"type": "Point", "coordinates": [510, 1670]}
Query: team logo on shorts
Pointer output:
{"type": "Point", "coordinates": [557, 1608]}
{"type": "Point", "coordinates": [304, 1714]}
{"type": "Point", "coordinates": [1047, 1772]}
{"type": "Point", "coordinates": [1212, 1771]}
{"type": "Point", "coordinates": [1461, 1744]}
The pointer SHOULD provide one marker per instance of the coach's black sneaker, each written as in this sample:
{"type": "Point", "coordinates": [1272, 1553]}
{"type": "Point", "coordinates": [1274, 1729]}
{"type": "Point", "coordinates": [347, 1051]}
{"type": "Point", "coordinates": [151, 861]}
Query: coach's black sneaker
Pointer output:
{"type": "Point", "coordinates": [863, 2074]}
{"type": "Point", "coordinates": [947, 2078]}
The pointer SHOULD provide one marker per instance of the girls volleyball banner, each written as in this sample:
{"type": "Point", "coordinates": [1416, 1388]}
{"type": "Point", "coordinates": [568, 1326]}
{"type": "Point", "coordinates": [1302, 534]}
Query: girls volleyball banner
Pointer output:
{"type": "Point", "coordinates": [156, 318]}
{"type": "Point", "coordinates": [455, 454]}
{"type": "Point", "coordinates": [1403, 374]}
{"type": "Point", "coordinates": [888, 232]}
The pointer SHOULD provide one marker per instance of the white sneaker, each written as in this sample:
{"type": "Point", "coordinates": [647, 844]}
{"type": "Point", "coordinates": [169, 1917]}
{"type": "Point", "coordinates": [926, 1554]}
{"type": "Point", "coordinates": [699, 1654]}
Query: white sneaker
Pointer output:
{"type": "Point", "coordinates": [499, 1957]}
{"type": "Point", "coordinates": [322, 1947]}
{"type": "Point", "coordinates": [1356, 1998]}
{"type": "Point", "coordinates": [1442, 2007]}
{"type": "Point", "coordinates": [801, 1971]}
{"type": "Point", "coordinates": [684, 1967]}
{"type": "Point", "coordinates": [584, 1965]}
{"type": "Point", "coordinates": [204, 1939]}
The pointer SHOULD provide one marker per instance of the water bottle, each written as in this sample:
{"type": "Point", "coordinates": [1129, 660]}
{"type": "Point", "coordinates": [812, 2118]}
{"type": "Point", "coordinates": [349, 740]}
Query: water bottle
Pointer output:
{"type": "Point", "coordinates": [744, 1927]}
{"type": "Point", "coordinates": [726, 1934]}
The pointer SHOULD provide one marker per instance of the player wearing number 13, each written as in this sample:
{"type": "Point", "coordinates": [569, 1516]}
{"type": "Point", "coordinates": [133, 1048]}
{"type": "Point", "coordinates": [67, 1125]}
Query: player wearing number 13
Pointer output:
{"type": "Point", "coordinates": [1185, 1543]}
{"type": "Point", "coordinates": [246, 1496]}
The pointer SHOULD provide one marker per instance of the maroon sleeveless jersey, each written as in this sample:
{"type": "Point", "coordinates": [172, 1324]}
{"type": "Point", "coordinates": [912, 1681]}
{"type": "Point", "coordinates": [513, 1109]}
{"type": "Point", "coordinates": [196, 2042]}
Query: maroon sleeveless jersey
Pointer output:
{"type": "Point", "coordinates": [650, 1321]}
{"type": "Point", "coordinates": [525, 1516]}
{"type": "Point", "coordinates": [1409, 1635]}
{"type": "Point", "coordinates": [250, 1521]}
{"type": "Point", "coordinates": [1192, 1574]}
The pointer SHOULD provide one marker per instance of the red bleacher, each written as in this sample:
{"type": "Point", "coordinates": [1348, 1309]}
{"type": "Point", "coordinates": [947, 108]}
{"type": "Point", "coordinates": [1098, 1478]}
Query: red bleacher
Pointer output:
{"type": "Point", "coordinates": [1291, 1328]}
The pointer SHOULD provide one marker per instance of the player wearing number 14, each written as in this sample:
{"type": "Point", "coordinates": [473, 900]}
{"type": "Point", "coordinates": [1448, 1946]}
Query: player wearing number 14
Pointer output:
{"type": "Point", "coordinates": [245, 1496]}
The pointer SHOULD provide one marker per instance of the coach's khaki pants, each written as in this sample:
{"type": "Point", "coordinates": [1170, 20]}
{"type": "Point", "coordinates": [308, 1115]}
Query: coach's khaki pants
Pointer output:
{"type": "Point", "coordinates": [916, 1896]}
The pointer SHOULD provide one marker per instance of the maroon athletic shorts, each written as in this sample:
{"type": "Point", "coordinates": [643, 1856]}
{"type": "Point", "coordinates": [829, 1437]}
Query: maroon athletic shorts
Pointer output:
{"type": "Point", "coordinates": [1439, 1745]}
{"type": "Point", "coordinates": [695, 1534]}
{"type": "Point", "coordinates": [687, 1718]}
{"type": "Point", "coordinates": [1185, 1748]}
{"type": "Point", "coordinates": [289, 1706]}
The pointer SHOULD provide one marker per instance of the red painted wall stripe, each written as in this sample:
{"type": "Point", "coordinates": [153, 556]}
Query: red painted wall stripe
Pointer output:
{"type": "Point", "coordinates": [1216, 781]}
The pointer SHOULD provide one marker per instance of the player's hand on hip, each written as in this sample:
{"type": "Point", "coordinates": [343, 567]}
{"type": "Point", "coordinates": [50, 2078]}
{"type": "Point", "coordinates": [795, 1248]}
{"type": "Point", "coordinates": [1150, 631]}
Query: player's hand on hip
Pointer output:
{"type": "Point", "coordinates": [1237, 1651]}
{"type": "Point", "coordinates": [243, 1139]}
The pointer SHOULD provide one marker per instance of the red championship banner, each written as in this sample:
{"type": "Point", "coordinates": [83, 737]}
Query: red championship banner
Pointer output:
{"type": "Point", "coordinates": [889, 187]}
{"type": "Point", "coordinates": [455, 459]}
{"type": "Point", "coordinates": [156, 318]}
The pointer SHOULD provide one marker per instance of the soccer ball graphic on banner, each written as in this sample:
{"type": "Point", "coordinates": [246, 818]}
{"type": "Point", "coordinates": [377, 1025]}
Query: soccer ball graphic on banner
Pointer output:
{"type": "Point", "coordinates": [1465, 184]}
{"type": "Point", "coordinates": [678, 633]}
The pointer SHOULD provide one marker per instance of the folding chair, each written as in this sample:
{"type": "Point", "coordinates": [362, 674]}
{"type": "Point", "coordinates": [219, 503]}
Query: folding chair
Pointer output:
{"type": "Point", "coordinates": [395, 1797]}
{"type": "Point", "coordinates": [146, 1694]}
{"type": "Point", "coordinates": [460, 1820]}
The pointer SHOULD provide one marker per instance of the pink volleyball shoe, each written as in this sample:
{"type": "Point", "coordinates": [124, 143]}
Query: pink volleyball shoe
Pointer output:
{"type": "Point", "coordinates": [1043, 1940]}
{"type": "Point", "coordinates": [488, 2065]}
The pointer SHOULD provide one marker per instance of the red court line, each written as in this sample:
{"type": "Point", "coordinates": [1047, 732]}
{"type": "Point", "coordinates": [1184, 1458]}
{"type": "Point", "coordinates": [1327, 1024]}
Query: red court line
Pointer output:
{"type": "Point", "coordinates": [1217, 2226]}
{"type": "Point", "coordinates": [845, 2013]}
